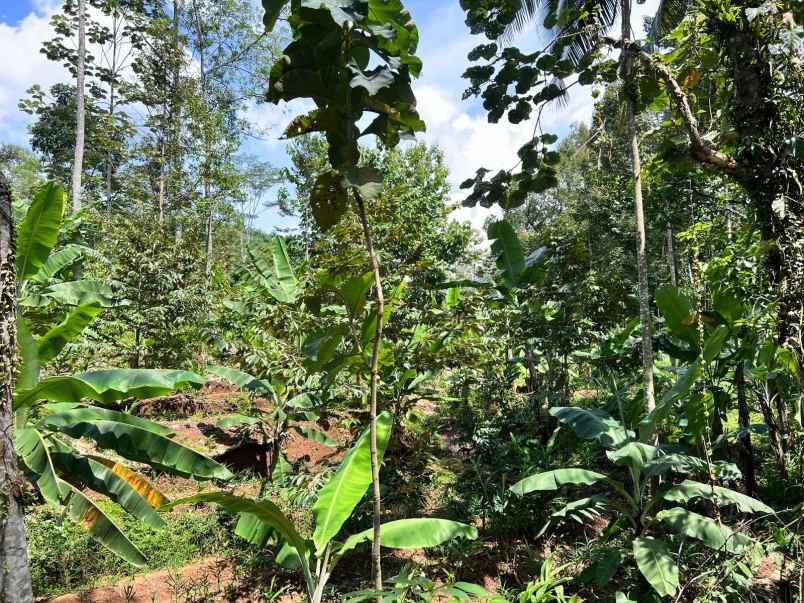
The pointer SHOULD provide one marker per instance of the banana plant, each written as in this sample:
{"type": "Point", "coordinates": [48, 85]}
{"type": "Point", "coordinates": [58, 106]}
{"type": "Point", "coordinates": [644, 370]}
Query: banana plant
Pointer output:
{"type": "Point", "coordinates": [52, 413]}
{"type": "Point", "coordinates": [316, 557]}
{"type": "Point", "coordinates": [286, 411]}
{"type": "Point", "coordinates": [633, 501]}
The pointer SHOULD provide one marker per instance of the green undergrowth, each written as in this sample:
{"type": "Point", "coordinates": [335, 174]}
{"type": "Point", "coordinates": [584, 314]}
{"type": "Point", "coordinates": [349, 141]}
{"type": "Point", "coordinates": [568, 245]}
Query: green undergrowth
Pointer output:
{"type": "Point", "coordinates": [64, 558]}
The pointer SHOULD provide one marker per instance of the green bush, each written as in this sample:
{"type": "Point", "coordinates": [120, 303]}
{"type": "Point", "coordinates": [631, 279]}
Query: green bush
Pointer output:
{"type": "Point", "coordinates": [64, 558]}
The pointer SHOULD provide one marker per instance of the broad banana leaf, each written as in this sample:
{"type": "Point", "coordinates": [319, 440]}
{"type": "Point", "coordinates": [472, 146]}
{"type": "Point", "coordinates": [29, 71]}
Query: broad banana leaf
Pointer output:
{"type": "Point", "coordinates": [86, 514]}
{"type": "Point", "coordinates": [689, 489]}
{"type": "Point", "coordinates": [53, 342]}
{"type": "Point", "coordinates": [341, 494]}
{"type": "Point", "coordinates": [143, 446]}
{"type": "Point", "coordinates": [78, 293]}
{"type": "Point", "coordinates": [283, 269]}
{"type": "Point", "coordinates": [654, 560]}
{"type": "Point", "coordinates": [553, 480]}
{"type": "Point", "coordinates": [148, 491]}
{"type": "Point", "coordinates": [240, 379]}
{"type": "Point", "coordinates": [39, 230]}
{"type": "Point", "coordinates": [57, 389]}
{"type": "Point", "coordinates": [87, 472]}
{"type": "Point", "coordinates": [507, 252]}
{"type": "Point", "coordinates": [33, 450]}
{"type": "Point", "coordinates": [315, 436]}
{"type": "Point", "coordinates": [65, 413]}
{"type": "Point", "coordinates": [230, 421]}
{"type": "Point", "coordinates": [58, 261]}
{"type": "Point", "coordinates": [714, 535]}
{"type": "Point", "coordinates": [593, 424]}
{"type": "Point", "coordinates": [28, 374]}
{"type": "Point", "coordinates": [417, 533]}
{"type": "Point", "coordinates": [117, 384]}
{"type": "Point", "coordinates": [679, 315]}
{"type": "Point", "coordinates": [632, 454]}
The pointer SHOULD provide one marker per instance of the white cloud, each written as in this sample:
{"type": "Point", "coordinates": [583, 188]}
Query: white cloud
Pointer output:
{"type": "Point", "coordinates": [24, 66]}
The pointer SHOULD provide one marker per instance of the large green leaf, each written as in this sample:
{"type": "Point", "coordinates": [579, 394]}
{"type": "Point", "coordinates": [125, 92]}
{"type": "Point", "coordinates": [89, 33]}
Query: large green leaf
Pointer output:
{"type": "Point", "coordinates": [341, 494]}
{"type": "Point", "coordinates": [418, 533]}
{"type": "Point", "coordinates": [265, 510]}
{"type": "Point", "coordinates": [39, 230]}
{"type": "Point", "coordinates": [240, 379]}
{"type": "Point", "coordinates": [98, 477]}
{"type": "Point", "coordinates": [143, 446]}
{"type": "Point", "coordinates": [78, 293]}
{"type": "Point", "coordinates": [689, 489]}
{"type": "Point", "coordinates": [117, 384]}
{"type": "Point", "coordinates": [284, 269]}
{"type": "Point", "coordinates": [593, 424]}
{"type": "Point", "coordinates": [553, 480]}
{"type": "Point", "coordinates": [53, 342]}
{"type": "Point", "coordinates": [58, 261]}
{"type": "Point", "coordinates": [686, 380]}
{"type": "Point", "coordinates": [86, 514]}
{"type": "Point", "coordinates": [28, 374]}
{"type": "Point", "coordinates": [57, 389]}
{"type": "Point", "coordinates": [679, 314]}
{"type": "Point", "coordinates": [33, 450]}
{"type": "Point", "coordinates": [654, 560]}
{"type": "Point", "coordinates": [507, 252]}
{"type": "Point", "coordinates": [66, 413]}
{"type": "Point", "coordinates": [714, 535]}
{"type": "Point", "coordinates": [632, 454]}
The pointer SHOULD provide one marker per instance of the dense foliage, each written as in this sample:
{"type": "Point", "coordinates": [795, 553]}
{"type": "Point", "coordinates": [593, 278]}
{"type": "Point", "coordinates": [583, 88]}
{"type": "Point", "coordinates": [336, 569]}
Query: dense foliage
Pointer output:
{"type": "Point", "coordinates": [600, 397]}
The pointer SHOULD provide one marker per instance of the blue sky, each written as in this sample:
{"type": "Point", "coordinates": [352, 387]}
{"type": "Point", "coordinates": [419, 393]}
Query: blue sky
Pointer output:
{"type": "Point", "coordinates": [459, 127]}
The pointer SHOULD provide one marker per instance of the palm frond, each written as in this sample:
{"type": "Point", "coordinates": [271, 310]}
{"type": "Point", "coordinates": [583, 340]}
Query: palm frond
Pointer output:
{"type": "Point", "coordinates": [573, 40]}
{"type": "Point", "coordinates": [668, 15]}
{"type": "Point", "coordinates": [526, 11]}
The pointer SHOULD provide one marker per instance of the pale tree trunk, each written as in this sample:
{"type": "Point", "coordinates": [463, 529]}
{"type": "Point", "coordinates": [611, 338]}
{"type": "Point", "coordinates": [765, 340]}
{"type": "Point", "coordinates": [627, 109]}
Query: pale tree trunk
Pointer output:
{"type": "Point", "coordinates": [376, 560]}
{"type": "Point", "coordinates": [210, 215]}
{"type": "Point", "coordinates": [162, 183]}
{"type": "Point", "coordinates": [207, 152]}
{"type": "Point", "coordinates": [642, 258]}
{"type": "Point", "coordinates": [113, 70]}
{"type": "Point", "coordinates": [671, 255]}
{"type": "Point", "coordinates": [15, 573]}
{"type": "Point", "coordinates": [78, 161]}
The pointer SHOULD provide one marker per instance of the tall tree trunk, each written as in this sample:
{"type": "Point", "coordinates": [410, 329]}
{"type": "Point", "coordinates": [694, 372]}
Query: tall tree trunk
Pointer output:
{"type": "Point", "coordinates": [210, 221]}
{"type": "Point", "coordinates": [113, 70]}
{"type": "Point", "coordinates": [766, 400]}
{"type": "Point", "coordinates": [745, 448]}
{"type": "Point", "coordinates": [162, 182]}
{"type": "Point", "coordinates": [629, 85]}
{"type": "Point", "coordinates": [671, 255]}
{"type": "Point", "coordinates": [376, 560]}
{"type": "Point", "coordinates": [78, 160]}
{"type": "Point", "coordinates": [15, 573]}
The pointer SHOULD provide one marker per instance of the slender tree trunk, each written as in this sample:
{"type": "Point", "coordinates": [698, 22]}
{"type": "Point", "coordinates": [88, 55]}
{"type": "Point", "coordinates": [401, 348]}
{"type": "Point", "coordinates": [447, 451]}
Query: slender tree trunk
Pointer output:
{"type": "Point", "coordinates": [777, 443]}
{"type": "Point", "coordinates": [376, 560]}
{"type": "Point", "coordinates": [210, 215]}
{"type": "Point", "coordinates": [162, 183]}
{"type": "Point", "coordinates": [745, 448]}
{"type": "Point", "coordinates": [671, 255]}
{"type": "Point", "coordinates": [15, 573]}
{"type": "Point", "coordinates": [642, 258]}
{"type": "Point", "coordinates": [109, 161]}
{"type": "Point", "coordinates": [78, 160]}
